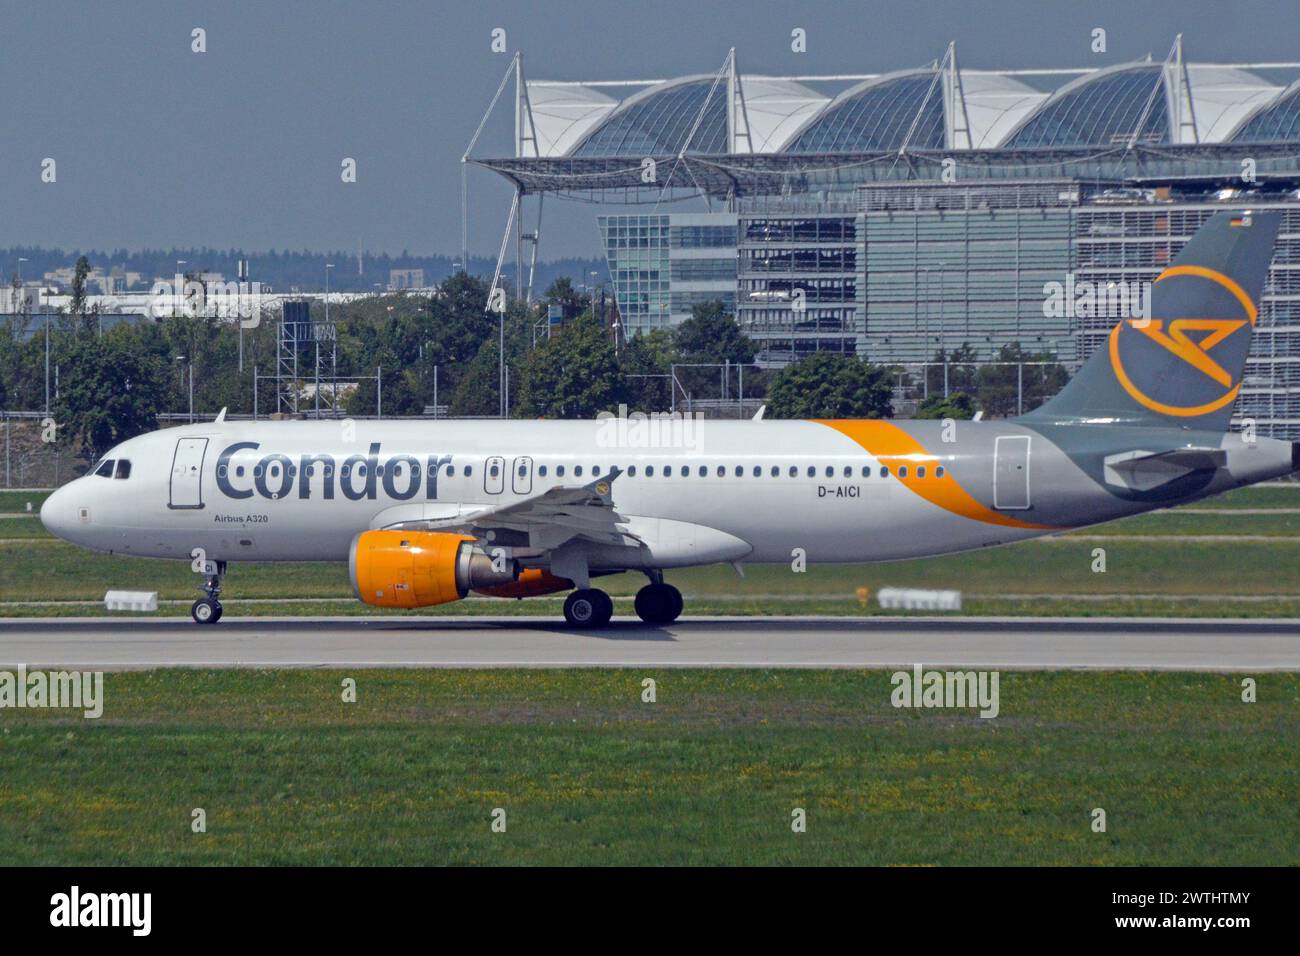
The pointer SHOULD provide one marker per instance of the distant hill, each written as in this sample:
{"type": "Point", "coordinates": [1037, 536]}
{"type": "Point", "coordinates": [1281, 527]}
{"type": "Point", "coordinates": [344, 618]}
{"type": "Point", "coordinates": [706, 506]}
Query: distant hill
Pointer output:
{"type": "Point", "coordinates": [283, 270]}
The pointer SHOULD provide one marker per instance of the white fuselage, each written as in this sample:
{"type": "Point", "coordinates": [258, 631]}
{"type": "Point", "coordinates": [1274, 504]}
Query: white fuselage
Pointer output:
{"type": "Point", "coordinates": [301, 491]}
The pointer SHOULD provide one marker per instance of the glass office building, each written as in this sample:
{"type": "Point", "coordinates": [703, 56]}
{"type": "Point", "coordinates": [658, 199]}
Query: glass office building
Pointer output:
{"type": "Point", "coordinates": [897, 214]}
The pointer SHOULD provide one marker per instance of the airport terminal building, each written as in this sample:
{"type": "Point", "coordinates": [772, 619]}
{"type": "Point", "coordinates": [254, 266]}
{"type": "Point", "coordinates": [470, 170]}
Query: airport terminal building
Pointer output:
{"type": "Point", "coordinates": [900, 214]}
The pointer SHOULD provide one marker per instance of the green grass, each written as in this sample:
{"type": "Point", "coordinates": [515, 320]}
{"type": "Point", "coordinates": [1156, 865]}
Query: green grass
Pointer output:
{"type": "Point", "coordinates": [587, 773]}
{"type": "Point", "coordinates": [24, 527]}
{"type": "Point", "coordinates": [1181, 523]}
{"type": "Point", "coordinates": [1272, 495]}
{"type": "Point", "coordinates": [16, 501]}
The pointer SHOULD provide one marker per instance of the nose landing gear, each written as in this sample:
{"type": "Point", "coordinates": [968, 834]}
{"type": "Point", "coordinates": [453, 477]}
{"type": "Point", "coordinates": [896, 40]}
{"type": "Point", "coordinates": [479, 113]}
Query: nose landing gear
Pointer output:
{"type": "Point", "coordinates": [207, 610]}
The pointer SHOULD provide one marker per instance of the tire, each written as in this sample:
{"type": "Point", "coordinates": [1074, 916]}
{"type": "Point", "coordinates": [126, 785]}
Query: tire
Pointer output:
{"type": "Point", "coordinates": [205, 611]}
{"type": "Point", "coordinates": [606, 607]}
{"type": "Point", "coordinates": [588, 607]}
{"type": "Point", "coordinates": [658, 603]}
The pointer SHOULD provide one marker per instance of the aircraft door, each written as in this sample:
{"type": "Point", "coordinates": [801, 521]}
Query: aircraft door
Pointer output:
{"type": "Point", "coordinates": [1011, 472]}
{"type": "Point", "coordinates": [187, 473]}
{"type": "Point", "coordinates": [521, 476]}
{"type": "Point", "coordinates": [494, 475]}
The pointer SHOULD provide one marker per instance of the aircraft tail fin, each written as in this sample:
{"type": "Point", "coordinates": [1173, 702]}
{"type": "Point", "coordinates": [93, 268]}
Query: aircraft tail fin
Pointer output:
{"type": "Point", "coordinates": [1181, 366]}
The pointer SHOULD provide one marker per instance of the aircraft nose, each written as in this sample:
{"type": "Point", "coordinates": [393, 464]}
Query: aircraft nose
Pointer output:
{"type": "Point", "coordinates": [58, 513]}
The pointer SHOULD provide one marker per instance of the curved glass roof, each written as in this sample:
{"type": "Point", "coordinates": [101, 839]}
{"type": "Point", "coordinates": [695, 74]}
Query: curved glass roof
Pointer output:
{"type": "Point", "coordinates": [876, 115]}
{"type": "Point", "coordinates": [657, 122]}
{"type": "Point", "coordinates": [1100, 109]}
{"type": "Point", "coordinates": [1278, 122]}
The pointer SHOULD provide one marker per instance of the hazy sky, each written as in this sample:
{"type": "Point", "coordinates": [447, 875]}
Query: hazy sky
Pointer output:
{"type": "Point", "coordinates": [241, 146]}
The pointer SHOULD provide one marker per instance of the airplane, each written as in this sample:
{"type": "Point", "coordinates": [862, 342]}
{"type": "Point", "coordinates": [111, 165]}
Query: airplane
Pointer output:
{"type": "Point", "coordinates": [424, 512]}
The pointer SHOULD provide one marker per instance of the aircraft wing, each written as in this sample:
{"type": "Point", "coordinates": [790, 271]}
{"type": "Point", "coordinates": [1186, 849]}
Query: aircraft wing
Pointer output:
{"type": "Point", "coordinates": [545, 521]}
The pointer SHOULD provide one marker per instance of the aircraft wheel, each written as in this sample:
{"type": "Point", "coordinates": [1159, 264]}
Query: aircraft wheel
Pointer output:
{"type": "Point", "coordinates": [658, 603]}
{"type": "Point", "coordinates": [205, 611]}
{"type": "Point", "coordinates": [588, 607]}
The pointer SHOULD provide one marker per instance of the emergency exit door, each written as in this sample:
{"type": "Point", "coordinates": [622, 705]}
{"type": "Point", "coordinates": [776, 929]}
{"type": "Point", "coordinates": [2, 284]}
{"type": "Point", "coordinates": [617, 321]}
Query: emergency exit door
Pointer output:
{"type": "Point", "coordinates": [187, 473]}
{"type": "Point", "coordinates": [1011, 472]}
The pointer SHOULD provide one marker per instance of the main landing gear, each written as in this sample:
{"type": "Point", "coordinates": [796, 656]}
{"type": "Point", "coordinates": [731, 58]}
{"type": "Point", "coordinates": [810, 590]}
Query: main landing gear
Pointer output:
{"type": "Point", "coordinates": [588, 607]}
{"type": "Point", "coordinates": [657, 602]}
{"type": "Point", "coordinates": [207, 610]}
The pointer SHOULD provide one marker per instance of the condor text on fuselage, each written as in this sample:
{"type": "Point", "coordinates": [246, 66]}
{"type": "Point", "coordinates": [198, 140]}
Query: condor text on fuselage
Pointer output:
{"type": "Point", "coordinates": [358, 478]}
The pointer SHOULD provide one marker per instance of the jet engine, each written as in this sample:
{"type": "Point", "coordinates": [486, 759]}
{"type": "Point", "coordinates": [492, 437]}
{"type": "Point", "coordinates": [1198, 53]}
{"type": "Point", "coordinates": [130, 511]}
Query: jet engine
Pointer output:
{"type": "Point", "coordinates": [410, 569]}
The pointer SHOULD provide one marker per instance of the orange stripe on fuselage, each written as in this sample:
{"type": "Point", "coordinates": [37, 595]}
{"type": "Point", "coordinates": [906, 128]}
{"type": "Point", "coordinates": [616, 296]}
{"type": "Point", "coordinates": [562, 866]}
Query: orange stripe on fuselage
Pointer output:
{"type": "Point", "coordinates": [886, 441]}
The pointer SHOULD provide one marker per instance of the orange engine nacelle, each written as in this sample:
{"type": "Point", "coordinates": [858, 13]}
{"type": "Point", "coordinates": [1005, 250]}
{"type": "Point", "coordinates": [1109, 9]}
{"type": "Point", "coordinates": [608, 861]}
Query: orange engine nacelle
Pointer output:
{"type": "Point", "coordinates": [420, 568]}
{"type": "Point", "coordinates": [530, 583]}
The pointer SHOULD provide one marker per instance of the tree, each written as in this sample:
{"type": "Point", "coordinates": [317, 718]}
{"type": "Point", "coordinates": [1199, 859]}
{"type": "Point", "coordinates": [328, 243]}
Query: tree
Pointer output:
{"type": "Point", "coordinates": [955, 405]}
{"type": "Point", "coordinates": [712, 335]}
{"type": "Point", "coordinates": [999, 385]}
{"type": "Point", "coordinates": [961, 371]}
{"type": "Point", "coordinates": [111, 389]}
{"type": "Point", "coordinates": [831, 385]}
{"type": "Point", "coordinates": [646, 364]}
{"type": "Point", "coordinates": [77, 304]}
{"type": "Point", "coordinates": [571, 302]}
{"type": "Point", "coordinates": [709, 337]}
{"type": "Point", "coordinates": [572, 375]}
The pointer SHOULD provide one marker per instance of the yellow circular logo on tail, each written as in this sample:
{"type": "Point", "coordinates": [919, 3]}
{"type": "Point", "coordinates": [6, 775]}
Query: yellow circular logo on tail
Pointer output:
{"type": "Point", "coordinates": [1136, 343]}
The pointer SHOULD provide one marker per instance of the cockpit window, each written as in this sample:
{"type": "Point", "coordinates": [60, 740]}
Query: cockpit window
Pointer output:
{"type": "Point", "coordinates": [123, 468]}
{"type": "Point", "coordinates": [105, 469]}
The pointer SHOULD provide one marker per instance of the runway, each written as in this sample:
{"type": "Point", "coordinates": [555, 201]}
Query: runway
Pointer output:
{"type": "Point", "coordinates": [882, 642]}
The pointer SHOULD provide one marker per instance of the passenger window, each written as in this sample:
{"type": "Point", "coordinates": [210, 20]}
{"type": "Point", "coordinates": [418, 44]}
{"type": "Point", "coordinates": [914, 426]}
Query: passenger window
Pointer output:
{"type": "Point", "coordinates": [884, 472]}
{"type": "Point", "coordinates": [451, 471]}
{"type": "Point", "coordinates": [631, 471]}
{"type": "Point", "coordinates": [493, 471]}
{"type": "Point", "coordinates": [722, 471]}
{"type": "Point", "coordinates": [469, 470]}
{"type": "Point", "coordinates": [668, 471]}
{"type": "Point", "coordinates": [776, 470]}
{"type": "Point", "coordinates": [920, 471]}
{"type": "Point", "coordinates": [686, 471]}
{"type": "Point", "coordinates": [649, 471]}
{"type": "Point", "coordinates": [541, 471]}
{"type": "Point", "coordinates": [866, 471]}
{"type": "Point", "coordinates": [902, 471]}
{"type": "Point", "coordinates": [704, 471]}
{"type": "Point", "coordinates": [938, 472]}
{"type": "Point", "coordinates": [239, 471]}
{"type": "Point", "coordinates": [848, 471]}
{"type": "Point", "coordinates": [740, 471]}
{"type": "Point", "coordinates": [559, 471]}
{"type": "Point", "coordinates": [830, 472]}
{"type": "Point", "coordinates": [794, 471]}
{"type": "Point", "coordinates": [812, 471]}
{"type": "Point", "coordinates": [577, 470]}
{"type": "Point", "coordinates": [595, 471]}
{"type": "Point", "coordinates": [105, 469]}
